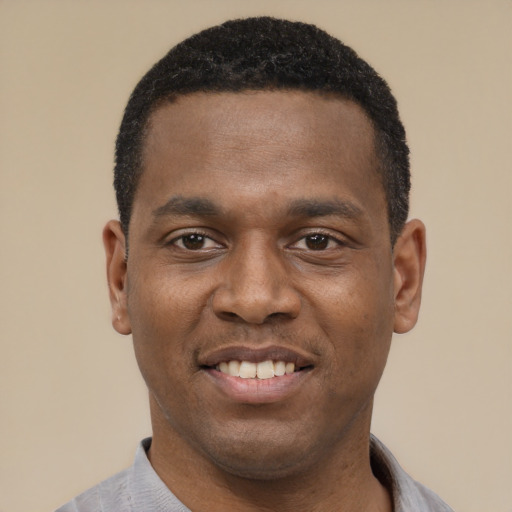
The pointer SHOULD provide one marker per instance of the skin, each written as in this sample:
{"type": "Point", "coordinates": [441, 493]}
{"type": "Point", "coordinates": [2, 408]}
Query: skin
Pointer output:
{"type": "Point", "coordinates": [293, 255]}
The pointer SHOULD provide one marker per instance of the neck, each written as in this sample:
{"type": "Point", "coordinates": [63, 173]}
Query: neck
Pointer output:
{"type": "Point", "coordinates": [340, 480]}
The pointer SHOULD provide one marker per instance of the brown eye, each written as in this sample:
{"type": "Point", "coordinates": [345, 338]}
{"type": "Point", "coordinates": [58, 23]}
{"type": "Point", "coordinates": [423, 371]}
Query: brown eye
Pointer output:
{"type": "Point", "coordinates": [317, 242]}
{"type": "Point", "coordinates": [193, 242]}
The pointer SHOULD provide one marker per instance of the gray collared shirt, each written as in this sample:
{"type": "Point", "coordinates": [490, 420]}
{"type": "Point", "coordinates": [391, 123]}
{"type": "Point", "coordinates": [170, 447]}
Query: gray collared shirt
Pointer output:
{"type": "Point", "coordinates": [139, 488]}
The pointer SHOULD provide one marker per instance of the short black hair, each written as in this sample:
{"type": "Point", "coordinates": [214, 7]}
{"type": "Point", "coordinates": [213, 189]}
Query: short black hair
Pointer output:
{"type": "Point", "coordinates": [265, 53]}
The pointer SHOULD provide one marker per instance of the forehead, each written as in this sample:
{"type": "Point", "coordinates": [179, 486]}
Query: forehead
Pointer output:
{"type": "Point", "coordinates": [263, 141]}
{"type": "Point", "coordinates": [312, 120]}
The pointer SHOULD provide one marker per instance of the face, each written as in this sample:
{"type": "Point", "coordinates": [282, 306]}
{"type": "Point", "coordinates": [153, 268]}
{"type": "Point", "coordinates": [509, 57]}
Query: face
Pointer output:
{"type": "Point", "coordinates": [259, 244]}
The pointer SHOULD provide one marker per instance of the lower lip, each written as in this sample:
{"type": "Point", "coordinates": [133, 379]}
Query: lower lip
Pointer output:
{"type": "Point", "coordinates": [257, 391]}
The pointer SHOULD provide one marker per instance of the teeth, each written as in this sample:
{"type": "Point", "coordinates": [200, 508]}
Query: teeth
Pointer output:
{"type": "Point", "coordinates": [279, 368]}
{"type": "Point", "coordinates": [233, 368]}
{"type": "Point", "coordinates": [247, 370]}
{"type": "Point", "coordinates": [263, 370]}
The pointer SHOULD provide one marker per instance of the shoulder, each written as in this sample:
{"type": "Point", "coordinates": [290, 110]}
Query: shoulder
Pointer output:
{"type": "Point", "coordinates": [430, 501]}
{"type": "Point", "coordinates": [408, 495]}
{"type": "Point", "coordinates": [108, 496]}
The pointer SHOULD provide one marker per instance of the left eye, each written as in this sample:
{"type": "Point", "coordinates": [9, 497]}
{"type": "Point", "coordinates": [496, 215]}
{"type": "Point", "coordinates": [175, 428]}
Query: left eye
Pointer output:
{"type": "Point", "coordinates": [316, 242]}
{"type": "Point", "coordinates": [195, 242]}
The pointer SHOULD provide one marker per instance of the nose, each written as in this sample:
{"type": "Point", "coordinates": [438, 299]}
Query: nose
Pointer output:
{"type": "Point", "coordinates": [255, 287]}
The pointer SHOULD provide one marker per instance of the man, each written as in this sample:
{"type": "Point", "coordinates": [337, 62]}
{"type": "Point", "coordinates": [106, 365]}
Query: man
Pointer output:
{"type": "Point", "coordinates": [262, 262]}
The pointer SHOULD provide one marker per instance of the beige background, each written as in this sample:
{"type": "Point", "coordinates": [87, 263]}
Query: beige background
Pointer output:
{"type": "Point", "coordinates": [73, 406]}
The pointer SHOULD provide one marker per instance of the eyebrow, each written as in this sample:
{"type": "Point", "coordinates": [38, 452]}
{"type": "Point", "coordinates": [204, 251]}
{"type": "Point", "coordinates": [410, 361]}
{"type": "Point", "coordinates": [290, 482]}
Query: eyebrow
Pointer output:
{"type": "Point", "coordinates": [323, 208]}
{"type": "Point", "coordinates": [181, 206]}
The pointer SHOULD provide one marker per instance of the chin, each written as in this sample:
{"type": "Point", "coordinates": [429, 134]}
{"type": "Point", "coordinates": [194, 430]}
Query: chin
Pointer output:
{"type": "Point", "coordinates": [260, 468]}
{"type": "Point", "coordinates": [268, 457]}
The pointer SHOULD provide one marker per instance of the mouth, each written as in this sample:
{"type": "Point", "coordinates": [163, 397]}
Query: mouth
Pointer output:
{"type": "Point", "coordinates": [268, 369]}
{"type": "Point", "coordinates": [257, 375]}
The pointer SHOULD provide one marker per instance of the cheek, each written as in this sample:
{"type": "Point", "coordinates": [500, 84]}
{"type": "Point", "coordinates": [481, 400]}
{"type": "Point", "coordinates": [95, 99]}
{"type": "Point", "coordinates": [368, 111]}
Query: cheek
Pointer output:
{"type": "Point", "coordinates": [162, 303]}
{"type": "Point", "coordinates": [361, 300]}
{"type": "Point", "coordinates": [356, 312]}
{"type": "Point", "coordinates": [168, 312]}
{"type": "Point", "coordinates": [156, 317]}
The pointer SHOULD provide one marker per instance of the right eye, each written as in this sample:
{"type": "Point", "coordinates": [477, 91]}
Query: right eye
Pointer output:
{"type": "Point", "coordinates": [195, 242]}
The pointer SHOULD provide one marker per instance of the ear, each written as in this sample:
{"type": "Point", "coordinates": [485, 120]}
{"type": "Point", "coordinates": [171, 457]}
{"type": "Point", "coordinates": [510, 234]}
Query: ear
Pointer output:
{"type": "Point", "coordinates": [409, 256]}
{"type": "Point", "coordinates": [115, 247]}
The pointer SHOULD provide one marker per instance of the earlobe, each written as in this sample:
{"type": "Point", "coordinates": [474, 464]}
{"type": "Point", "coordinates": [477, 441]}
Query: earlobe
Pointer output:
{"type": "Point", "coordinates": [409, 256]}
{"type": "Point", "coordinates": [115, 246]}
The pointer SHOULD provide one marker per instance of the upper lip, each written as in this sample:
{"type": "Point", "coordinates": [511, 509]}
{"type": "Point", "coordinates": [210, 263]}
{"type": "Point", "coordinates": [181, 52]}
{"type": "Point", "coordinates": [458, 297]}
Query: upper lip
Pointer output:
{"type": "Point", "coordinates": [256, 355]}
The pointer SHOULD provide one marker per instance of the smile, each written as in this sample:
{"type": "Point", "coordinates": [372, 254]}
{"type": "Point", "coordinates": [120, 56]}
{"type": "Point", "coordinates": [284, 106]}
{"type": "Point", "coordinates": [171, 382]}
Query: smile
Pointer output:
{"type": "Point", "coordinates": [248, 375]}
{"type": "Point", "coordinates": [249, 370]}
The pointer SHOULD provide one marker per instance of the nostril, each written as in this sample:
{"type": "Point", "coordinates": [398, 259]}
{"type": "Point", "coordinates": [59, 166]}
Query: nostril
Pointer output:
{"type": "Point", "coordinates": [228, 314]}
{"type": "Point", "coordinates": [255, 305]}
{"type": "Point", "coordinates": [277, 315]}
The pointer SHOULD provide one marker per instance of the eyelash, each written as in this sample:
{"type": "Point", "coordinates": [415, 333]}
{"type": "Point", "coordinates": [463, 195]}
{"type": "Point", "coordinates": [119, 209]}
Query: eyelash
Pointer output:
{"type": "Point", "coordinates": [205, 236]}
{"type": "Point", "coordinates": [330, 239]}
